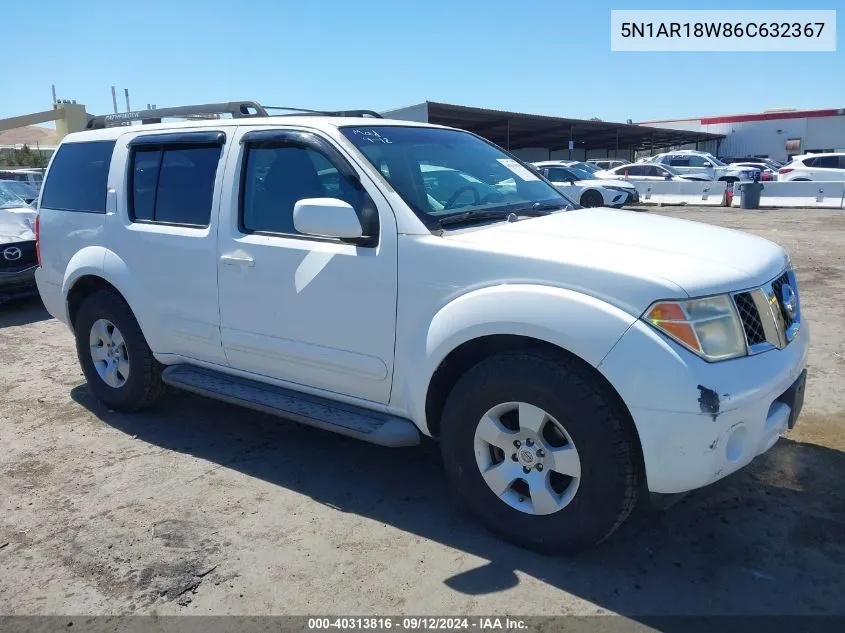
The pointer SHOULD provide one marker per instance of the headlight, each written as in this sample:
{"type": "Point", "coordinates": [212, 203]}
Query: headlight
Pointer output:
{"type": "Point", "coordinates": [710, 327]}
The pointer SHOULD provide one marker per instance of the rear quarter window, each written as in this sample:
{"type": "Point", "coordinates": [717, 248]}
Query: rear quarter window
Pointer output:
{"type": "Point", "coordinates": [78, 177]}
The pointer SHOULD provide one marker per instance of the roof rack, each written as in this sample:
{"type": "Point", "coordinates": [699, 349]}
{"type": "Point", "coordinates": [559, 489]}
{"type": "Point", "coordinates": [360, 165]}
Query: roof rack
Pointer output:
{"type": "Point", "coordinates": [349, 113]}
{"type": "Point", "coordinates": [237, 110]}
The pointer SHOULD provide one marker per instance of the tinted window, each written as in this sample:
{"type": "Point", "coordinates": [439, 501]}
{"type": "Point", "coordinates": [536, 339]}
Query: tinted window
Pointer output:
{"type": "Point", "coordinates": [78, 177]}
{"type": "Point", "coordinates": [276, 178]}
{"type": "Point", "coordinates": [556, 174]}
{"type": "Point", "coordinates": [174, 185]}
{"type": "Point", "coordinates": [678, 161]}
{"type": "Point", "coordinates": [633, 170]}
{"type": "Point", "coordinates": [826, 162]}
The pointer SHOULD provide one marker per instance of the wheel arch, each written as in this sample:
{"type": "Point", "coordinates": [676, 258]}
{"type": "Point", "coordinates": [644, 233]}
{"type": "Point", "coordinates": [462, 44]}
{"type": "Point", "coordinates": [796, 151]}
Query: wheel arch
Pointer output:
{"type": "Point", "coordinates": [89, 272]}
{"type": "Point", "coordinates": [492, 319]}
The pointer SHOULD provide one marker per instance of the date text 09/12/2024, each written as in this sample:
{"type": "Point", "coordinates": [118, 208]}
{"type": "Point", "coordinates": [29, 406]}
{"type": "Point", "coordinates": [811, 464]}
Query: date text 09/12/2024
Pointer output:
{"type": "Point", "coordinates": [417, 623]}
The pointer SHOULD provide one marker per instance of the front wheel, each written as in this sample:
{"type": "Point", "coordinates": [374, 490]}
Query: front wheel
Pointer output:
{"type": "Point", "coordinates": [591, 199]}
{"type": "Point", "coordinates": [540, 452]}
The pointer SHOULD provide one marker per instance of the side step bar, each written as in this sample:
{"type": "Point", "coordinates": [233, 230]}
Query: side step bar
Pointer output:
{"type": "Point", "coordinates": [362, 424]}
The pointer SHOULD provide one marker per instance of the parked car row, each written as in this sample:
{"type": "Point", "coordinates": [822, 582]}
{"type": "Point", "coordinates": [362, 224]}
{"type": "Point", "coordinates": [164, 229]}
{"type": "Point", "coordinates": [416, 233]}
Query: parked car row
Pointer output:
{"type": "Point", "coordinates": [32, 177]}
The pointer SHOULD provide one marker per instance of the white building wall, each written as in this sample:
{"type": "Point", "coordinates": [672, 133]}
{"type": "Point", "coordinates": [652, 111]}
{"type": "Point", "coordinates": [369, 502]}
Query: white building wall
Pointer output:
{"type": "Point", "coordinates": [768, 138]}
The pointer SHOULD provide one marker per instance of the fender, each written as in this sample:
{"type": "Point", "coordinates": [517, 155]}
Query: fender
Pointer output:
{"type": "Point", "coordinates": [102, 262]}
{"type": "Point", "coordinates": [578, 323]}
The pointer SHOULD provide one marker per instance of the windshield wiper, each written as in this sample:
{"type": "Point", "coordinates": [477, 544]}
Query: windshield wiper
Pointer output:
{"type": "Point", "coordinates": [471, 216]}
{"type": "Point", "coordinates": [536, 209]}
{"type": "Point", "coordinates": [541, 208]}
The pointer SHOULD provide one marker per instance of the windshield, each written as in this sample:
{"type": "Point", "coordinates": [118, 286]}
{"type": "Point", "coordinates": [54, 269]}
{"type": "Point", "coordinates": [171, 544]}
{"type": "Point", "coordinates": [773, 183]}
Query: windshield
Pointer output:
{"type": "Point", "coordinates": [582, 174]}
{"type": "Point", "coordinates": [9, 200]}
{"type": "Point", "coordinates": [441, 173]}
{"type": "Point", "coordinates": [19, 188]}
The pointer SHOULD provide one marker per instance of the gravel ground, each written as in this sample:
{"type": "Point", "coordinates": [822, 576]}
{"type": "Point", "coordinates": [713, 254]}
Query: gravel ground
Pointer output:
{"type": "Point", "coordinates": [198, 507]}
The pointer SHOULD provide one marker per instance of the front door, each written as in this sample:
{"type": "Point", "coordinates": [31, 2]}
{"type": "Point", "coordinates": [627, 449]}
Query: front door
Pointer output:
{"type": "Point", "coordinates": [312, 311]}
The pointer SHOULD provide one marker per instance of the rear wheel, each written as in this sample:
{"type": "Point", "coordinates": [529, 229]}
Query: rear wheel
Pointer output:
{"type": "Point", "coordinates": [539, 451]}
{"type": "Point", "coordinates": [591, 199]}
{"type": "Point", "coordinates": [114, 355]}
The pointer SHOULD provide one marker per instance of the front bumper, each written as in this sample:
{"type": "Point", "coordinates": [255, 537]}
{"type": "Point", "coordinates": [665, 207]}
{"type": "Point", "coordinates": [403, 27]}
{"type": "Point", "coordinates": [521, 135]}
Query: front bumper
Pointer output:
{"type": "Point", "coordinates": [700, 421]}
{"type": "Point", "coordinates": [18, 284]}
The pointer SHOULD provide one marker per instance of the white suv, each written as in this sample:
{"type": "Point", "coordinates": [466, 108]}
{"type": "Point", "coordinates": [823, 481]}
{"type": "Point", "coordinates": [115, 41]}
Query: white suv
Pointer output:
{"type": "Point", "coordinates": [702, 163]}
{"type": "Point", "coordinates": [814, 167]}
{"type": "Point", "coordinates": [308, 267]}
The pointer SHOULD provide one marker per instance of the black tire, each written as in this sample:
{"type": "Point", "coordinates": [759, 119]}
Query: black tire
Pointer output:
{"type": "Point", "coordinates": [592, 199]}
{"type": "Point", "coordinates": [143, 387]}
{"type": "Point", "coordinates": [603, 435]}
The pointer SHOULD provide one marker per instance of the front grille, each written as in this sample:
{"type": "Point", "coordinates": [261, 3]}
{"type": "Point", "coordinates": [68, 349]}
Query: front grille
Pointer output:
{"type": "Point", "coordinates": [750, 317]}
{"type": "Point", "coordinates": [777, 288]}
{"type": "Point", "coordinates": [770, 315]}
{"type": "Point", "coordinates": [17, 256]}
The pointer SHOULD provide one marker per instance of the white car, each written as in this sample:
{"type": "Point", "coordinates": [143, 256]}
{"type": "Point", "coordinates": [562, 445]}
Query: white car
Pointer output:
{"type": "Point", "coordinates": [814, 167]}
{"type": "Point", "coordinates": [702, 163]}
{"type": "Point", "coordinates": [567, 361]}
{"type": "Point", "coordinates": [766, 172]}
{"type": "Point", "coordinates": [647, 172]}
{"type": "Point", "coordinates": [583, 187]}
{"type": "Point", "coordinates": [606, 163]}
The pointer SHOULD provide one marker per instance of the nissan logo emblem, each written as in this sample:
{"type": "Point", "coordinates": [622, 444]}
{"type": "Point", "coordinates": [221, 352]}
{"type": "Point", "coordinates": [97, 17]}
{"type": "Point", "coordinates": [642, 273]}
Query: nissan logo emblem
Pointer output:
{"type": "Point", "coordinates": [12, 253]}
{"type": "Point", "coordinates": [789, 299]}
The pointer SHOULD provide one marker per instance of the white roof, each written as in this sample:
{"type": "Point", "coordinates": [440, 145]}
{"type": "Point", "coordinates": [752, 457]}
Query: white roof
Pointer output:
{"type": "Point", "coordinates": [316, 122]}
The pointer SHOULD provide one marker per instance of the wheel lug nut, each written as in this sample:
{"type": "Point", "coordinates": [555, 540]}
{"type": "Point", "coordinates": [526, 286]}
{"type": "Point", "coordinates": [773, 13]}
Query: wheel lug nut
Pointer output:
{"type": "Point", "coordinates": [541, 452]}
{"type": "Point", "coordinates": [513, 457]}
{"type": "Point", "coordinates": [526, 470]}
{"type": "Point", "coordinates": [529, 442]}
{"type": "Point", "coordinates": [517, 443]}
{"type": "Point", "coordinates": [539, 467]}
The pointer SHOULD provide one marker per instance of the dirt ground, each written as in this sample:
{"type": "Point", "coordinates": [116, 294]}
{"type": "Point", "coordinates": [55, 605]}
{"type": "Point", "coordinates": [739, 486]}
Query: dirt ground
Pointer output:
{"type": "Point", "coordinates": [198, 507]}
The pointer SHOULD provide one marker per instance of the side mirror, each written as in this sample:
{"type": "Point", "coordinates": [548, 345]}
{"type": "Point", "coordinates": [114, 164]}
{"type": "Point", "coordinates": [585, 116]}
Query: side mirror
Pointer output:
{"type": "Point", "coordinates": [327, 217]}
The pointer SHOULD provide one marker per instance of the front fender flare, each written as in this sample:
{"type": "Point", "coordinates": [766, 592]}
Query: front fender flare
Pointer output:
{"type": "Point", "coordinates": [581, 324]}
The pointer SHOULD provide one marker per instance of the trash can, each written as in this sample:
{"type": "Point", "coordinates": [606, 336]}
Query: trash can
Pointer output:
{"type": "Point", "coordinates": [749, 195]}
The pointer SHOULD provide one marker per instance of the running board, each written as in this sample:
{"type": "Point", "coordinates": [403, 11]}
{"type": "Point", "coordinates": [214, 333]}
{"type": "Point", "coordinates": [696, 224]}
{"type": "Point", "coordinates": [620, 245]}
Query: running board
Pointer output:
{"type": "Point", "coordinates": [362, 424]}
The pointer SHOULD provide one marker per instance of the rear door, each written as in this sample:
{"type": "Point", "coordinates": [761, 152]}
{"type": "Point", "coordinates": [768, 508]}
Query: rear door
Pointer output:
{"type": "Point", "coordinates": [163, 230]}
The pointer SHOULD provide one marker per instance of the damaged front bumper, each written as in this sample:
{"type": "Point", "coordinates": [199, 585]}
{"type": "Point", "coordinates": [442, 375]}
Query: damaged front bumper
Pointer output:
{"type": "Point", "coordinates": [18, 284]}
{"type": "Point", "coordinates": [700, 421]}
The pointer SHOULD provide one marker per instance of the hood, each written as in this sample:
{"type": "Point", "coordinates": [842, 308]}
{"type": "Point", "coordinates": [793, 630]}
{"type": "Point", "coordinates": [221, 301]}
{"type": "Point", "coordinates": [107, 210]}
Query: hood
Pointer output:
{"type": "Point", "coordinates": [17, 225]}
{"type": "Point", "coordinates": [630, 259]}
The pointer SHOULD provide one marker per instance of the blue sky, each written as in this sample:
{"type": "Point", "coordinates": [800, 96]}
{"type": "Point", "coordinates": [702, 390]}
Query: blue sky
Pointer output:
{"type": "Point", "coordinates": [548, 58]}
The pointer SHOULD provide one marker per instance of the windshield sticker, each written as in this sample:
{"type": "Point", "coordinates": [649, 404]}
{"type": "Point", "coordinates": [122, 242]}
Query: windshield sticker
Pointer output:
{"type": "Point", "coordinates": [372, 136]}
{"type": "Point", "coordinates": [517, 169]}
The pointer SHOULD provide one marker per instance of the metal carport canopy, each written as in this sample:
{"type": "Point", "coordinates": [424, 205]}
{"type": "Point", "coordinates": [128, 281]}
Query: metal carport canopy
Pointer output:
{"type": "Point", "coordinates": [515, 130]}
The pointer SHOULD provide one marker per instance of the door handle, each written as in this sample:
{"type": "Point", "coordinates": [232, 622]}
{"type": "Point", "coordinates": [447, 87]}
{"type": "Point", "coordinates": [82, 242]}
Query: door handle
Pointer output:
{"type": "Point", "coordinates": [237, 260]}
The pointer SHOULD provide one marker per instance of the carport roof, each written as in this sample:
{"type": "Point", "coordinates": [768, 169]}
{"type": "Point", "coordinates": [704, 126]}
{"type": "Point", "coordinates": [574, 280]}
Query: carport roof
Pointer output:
{"type": "Point", "coordinates": [516, 130]}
